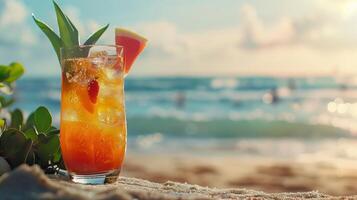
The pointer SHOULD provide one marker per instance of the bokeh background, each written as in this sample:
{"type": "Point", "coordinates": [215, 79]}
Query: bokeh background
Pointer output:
{"type": "Point", "coordinates": [231, 93]}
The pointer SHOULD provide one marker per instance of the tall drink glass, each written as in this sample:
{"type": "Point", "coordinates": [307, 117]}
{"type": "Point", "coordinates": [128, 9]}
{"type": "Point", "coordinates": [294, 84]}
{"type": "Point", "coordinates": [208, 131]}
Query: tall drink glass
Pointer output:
{"type": "Point", "coordinates": [93, 123]}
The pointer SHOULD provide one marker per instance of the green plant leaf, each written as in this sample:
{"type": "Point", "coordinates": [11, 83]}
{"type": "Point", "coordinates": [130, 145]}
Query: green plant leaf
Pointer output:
{"type": "Point", "coordinates": [5, 102]}
{"type": "Point", "coordinates": [55, 40]}
{"type": "Point", "coordinates": [2, 124]}
{"type": "Point", "coordinates": [31, 158]}
{"type": "Point", "coordinates": [14, 147]}
{"type": "Point", "coordinates": [52, 131]}
{"type": "Point", "coordinates": [31, 134]}
{"type": "Point", "coordinates": [4, 72]}
{"type": "Point", "coordinates": [16, 71]}
{"type": "Point", "coordinates": [30, 122]}
{"type": "Point", "coordinates": [57, 156]}
{"type": "Point", "coordinates": [67, 32]}
{"type": "Point", "coordinates": [42, 119]}
{"type": "Point", "coordinates": [95, 36]}
{"type": "Point", "coordinates": [16, 119]}
{"type": "Point", "coordinates": [6, 88]}
{"type": "Point", "coordinates": [48, 146]}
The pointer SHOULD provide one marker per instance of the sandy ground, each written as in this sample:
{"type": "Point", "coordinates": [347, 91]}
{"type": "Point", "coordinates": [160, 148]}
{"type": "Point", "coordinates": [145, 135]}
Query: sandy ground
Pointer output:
{"type": "Point", "coordinates": [269, 175]}
{"type": "Point", "coordinates": [31, 183]}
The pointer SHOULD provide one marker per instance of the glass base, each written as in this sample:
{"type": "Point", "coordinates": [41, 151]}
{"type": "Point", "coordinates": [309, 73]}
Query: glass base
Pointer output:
{"type": "Point", "coordinates": [95, 179]}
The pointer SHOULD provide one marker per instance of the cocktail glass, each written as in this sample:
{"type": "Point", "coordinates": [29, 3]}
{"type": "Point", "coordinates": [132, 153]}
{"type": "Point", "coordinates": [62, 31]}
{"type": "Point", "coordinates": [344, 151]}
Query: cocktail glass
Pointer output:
{"type": "Point", "coordinates": [93, 123]}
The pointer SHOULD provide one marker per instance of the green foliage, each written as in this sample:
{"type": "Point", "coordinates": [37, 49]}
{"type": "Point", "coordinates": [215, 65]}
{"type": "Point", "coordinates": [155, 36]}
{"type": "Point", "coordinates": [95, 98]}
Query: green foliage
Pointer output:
{"type": "Point", "coordinates": [42, 119]}
{"type": "Point", "coordinates": [14, 147]}
{"type": "Point", "coordinates": [5, 101]}
{"type": "Point", "coordinates": [34, 141]}
{"type": "Point", "coordinates": [10, 73]}
{"type": "Point", "coordinates": [16, 70]}
{"type": "Point", "coordinates": [16, 119]}
{"type": "Point", "coordinates": [69, 35]}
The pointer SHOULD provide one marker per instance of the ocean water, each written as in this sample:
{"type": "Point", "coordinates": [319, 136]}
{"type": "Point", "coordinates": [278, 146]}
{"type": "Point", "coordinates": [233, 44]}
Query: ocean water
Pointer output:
{"type": "Point", "coordinates": [242, 115]}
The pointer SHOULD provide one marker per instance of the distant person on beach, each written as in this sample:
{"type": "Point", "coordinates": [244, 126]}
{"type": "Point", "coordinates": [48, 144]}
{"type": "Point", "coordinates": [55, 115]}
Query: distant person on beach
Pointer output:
{"type": "Point", "coordinates": [275, 96]}
{"type": "Point", "coordinates": [180, 100]}
{"type": "Point", "coordinates": [271, 97]}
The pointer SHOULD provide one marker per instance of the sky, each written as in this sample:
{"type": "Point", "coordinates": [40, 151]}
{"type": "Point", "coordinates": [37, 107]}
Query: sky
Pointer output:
{"type": "Point", "coordinates": [197, 38]}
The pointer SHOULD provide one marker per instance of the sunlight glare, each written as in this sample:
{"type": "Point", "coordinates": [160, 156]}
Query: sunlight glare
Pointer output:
{"type": "Point", "coordinates": [350, 9]}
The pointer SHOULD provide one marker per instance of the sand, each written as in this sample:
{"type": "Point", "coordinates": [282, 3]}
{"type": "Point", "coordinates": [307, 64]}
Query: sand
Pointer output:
{"type": "Point", "coordinates": [258, 173]}
{"type": "Point", "coordinates": [30, 183]}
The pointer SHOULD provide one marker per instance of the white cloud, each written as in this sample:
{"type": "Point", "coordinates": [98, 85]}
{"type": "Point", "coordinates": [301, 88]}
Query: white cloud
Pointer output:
{"type": "Point", "coordinates": [315, 43]}
{"type": "Point", "coordinates": [257, 35]}
{"type": "Point", "coordinates": [13, 25]}
{"type": "Point", "coordinates": [323, 29]}
{"type": "Point", "coordinates": [14, 12]}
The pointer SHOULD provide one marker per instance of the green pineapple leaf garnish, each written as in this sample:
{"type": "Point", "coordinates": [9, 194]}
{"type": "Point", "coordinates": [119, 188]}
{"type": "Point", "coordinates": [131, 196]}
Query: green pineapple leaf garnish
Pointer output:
{"type": "Point", "coordinates": [68, 33]}
{"type": "Point", "coordinates": [55, 40]}
{"type": "Point", "coordinates": [95, 36]}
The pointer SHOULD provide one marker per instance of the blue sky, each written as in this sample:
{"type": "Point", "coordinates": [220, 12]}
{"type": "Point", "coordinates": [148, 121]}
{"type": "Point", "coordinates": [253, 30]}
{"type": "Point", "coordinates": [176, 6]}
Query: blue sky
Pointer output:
{"type": "Point", "coordinates": [194, 37]}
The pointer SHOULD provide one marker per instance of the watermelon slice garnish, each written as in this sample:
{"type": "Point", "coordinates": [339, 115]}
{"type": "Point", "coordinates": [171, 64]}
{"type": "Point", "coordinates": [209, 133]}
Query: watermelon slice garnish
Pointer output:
{"type": "Point", "coordinates": [133, 45]}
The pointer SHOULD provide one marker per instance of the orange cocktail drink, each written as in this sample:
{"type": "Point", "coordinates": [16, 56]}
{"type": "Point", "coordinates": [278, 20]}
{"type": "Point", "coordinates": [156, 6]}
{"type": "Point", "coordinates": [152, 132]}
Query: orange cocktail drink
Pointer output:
{"type": "Point", "coordinates": [93, 124]}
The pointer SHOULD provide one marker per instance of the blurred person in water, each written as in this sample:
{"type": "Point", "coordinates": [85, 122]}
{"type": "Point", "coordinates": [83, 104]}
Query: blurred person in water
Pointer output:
{"type": "Point", "coordinates": [180, 100]}
{"type": "Point", "coordinates": [271, 97]}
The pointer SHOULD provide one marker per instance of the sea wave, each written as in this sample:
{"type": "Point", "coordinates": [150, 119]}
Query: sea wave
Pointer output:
{"type": "Point", "coordinates": [221, 107]}
{"type": "Point", "coordinates": [225, 128]}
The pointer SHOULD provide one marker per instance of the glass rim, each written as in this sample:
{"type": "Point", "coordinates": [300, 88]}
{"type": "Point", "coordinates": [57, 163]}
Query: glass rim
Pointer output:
{"type": "Point", "coordinates": [91, 45]}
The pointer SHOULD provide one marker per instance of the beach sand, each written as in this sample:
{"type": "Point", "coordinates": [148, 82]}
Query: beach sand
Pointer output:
{"type": "Point", "coordinates": [31, 183]}
{"type": "Point", "coordinates": [228, 171]}
{"type": "Point", "coordinates": [197, 176]}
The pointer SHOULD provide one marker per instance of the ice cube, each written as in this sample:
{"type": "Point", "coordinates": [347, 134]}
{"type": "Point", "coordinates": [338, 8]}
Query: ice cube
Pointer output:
{"type": "Point", "coordinates": [111, 92]}
{"type": "Point", "coordinates": [110, 116]}
{"type": "Point", "coordinates": [79, 71]}
{"type": "Point", "coordinates": [99, 62]}
{"type": "Point", "coordinates": [97, 57]}
{"type": "Point", "coordinates": [77, 76]}
{"type": "Point", "coordinates": [113, 62]}
{"type": "Point", "coordinates": [95, 52]}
